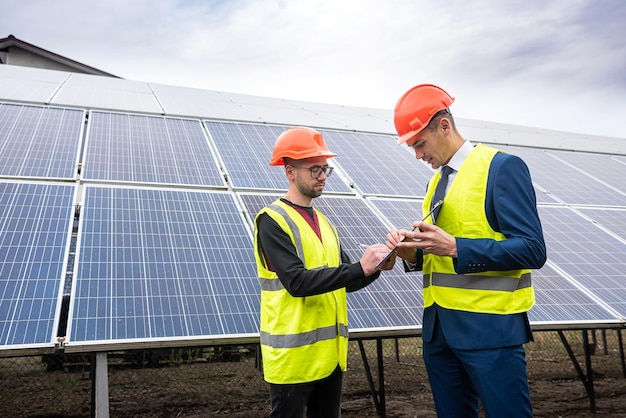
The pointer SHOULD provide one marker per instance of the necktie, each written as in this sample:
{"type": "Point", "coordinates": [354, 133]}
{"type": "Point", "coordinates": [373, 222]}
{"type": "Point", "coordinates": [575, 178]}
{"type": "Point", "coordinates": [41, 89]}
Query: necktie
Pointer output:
{"type": "Point", "coordinates": [440, 190]}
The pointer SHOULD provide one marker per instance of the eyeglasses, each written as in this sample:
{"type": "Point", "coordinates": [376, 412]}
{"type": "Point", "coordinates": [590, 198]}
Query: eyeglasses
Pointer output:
{"type": "Point", "coordinates": [316, 171]}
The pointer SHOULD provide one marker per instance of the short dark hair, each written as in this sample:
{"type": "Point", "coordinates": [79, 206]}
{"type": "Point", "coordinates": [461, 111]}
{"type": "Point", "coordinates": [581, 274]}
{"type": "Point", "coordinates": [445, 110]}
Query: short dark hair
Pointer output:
{"type": "Point", "coordinates": [434, 122]}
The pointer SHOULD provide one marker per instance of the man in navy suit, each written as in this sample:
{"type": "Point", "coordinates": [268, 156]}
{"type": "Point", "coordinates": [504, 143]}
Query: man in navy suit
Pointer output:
{"type": "Point", "coordinates": [476, 253]}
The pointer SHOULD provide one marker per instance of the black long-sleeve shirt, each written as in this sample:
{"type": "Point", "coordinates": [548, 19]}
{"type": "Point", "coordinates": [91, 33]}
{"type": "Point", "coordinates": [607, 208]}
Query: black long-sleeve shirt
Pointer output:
{"type": "Point", "coordinates": [299, 282]}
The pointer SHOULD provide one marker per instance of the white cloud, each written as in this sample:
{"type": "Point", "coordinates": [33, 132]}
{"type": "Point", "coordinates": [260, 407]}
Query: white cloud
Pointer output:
{"type": "Point", "coordinates": [557, 64]}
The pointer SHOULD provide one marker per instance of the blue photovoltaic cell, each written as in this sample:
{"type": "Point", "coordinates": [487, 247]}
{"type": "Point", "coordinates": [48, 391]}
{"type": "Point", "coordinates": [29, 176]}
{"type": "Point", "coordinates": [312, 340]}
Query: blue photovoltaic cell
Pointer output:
{"type": "Point", "coordinates": [162, 264]}
{"type": "Point", "coordinates": [587, 254]}
{"type": "Point", "coordinates": [247, 149]}
{"type": "Point", "coordinates": [395, 299]}
{"type": "Point", "coordinates": [400, 213]}
{"type": "Point", "coordinates": [149, 149]}
{"type": "Point", "coordinates": [558, 300]}
{"type": "Point", "coordinates": [566, 183]}
{"type": "Point", "coordinates": [34, 235]}
{"type": "Point", "coordinates": [39, 142]}
{"type": "Point", "coordinates": [542, 196]}
{"type": "Point", "coordinates": [601, 166]}
{"type": "Point", "coordinates": [377, 165]}
{"type": "Point", "coordinates": [612, 219]}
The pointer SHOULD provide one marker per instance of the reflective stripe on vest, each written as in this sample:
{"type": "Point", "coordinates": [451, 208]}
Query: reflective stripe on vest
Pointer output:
{"type": "Point", "coordinates": [272, 285]}
{"type": "Point", "coordinates": [471, 282]}
{"type": "Point", "coordinates": [305, 338]}
{"type": "Point", "coordinates": [294, 229]}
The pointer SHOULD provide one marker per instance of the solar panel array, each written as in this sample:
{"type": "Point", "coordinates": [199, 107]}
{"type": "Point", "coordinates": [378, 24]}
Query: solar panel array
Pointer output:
{"type": "Point", "coordinates": [148, 225]}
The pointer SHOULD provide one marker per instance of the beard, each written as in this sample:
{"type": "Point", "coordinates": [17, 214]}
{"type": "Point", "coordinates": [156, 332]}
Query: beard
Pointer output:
{"type": "Point", "coordinates": [311, 191]}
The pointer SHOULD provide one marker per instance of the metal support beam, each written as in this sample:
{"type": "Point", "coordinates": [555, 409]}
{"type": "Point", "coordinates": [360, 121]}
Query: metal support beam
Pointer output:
{"type": "Point", "coordinates": [621, 351]}
{"type": "Point", "coordinates": [99, 386]}
{"type": "Point", "coordinates": [377, 396]}
{"type": "Point", "coordinates": [587, 380]}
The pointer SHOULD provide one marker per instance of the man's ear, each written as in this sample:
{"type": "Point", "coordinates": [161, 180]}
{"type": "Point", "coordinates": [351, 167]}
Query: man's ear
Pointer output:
{"type": "Point", "coordinates": [445, 125]}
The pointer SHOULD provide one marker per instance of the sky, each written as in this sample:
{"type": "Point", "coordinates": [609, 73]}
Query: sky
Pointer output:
{"type": "Point", "coordinates": [556, 64]}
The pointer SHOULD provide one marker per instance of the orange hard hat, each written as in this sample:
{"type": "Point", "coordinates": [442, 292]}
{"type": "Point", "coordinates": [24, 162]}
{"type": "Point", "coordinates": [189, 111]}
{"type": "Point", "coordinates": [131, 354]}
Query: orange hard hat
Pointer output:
{"type": "Point", "coordinates": [299, 143]}
{"type": "Point", "coordinates": [417, 107]}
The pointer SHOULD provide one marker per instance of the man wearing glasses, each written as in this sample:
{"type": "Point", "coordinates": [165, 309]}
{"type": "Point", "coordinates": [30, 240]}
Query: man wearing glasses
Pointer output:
{"type": "Point", "coordinates": [304, 277]}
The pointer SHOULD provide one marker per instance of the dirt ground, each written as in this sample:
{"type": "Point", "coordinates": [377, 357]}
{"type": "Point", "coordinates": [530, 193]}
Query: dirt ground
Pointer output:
{"type": "Point", "coordinates": [243, 394]}
{"type": "Point", "coordinates": [210, 387]}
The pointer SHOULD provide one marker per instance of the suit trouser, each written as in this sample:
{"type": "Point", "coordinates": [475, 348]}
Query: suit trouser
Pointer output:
{"type": "Point", "coordinates": [459, 378]}
{"type": "Point", "coordinates": [321, 398]}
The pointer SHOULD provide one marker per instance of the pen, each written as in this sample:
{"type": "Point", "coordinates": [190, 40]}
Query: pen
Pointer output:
{"type": "Point", "coordinates": [364, 246]}
{"type": "Point", "coordinates": [412, 230]}
{"type": "Point", "coordinates": [428, 214]}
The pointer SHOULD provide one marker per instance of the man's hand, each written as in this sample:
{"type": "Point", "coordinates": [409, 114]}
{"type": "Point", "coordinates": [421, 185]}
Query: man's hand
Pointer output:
{"type": "Point", "coordinates": [373, 255]}
{"type": "Point", "coordinates": [394, 237]}
{"type": "Point", "coordinates": [429, 238]}
{"type": "Point", "coordinates": [388, 265]}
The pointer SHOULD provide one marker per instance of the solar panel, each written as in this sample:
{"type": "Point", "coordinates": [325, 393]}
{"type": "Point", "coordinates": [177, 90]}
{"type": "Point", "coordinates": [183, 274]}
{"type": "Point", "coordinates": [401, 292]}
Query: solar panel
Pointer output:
{"type": "Point", "coordinates": [394, 300]}
{"type": "Point", "coordinates": [247, 149]}
{"type": "Point", "coordinates": [157, 264]}
{"type": "Point", "coordinates": [150, 150]}
{"type": "Point", "coordinates": [85, 90]}
{"type": "Point", "coordinates": [590, 256]}
{"type": "Point", "coordinates": [19, 83]}
{"type": "Point", "coordinates": [376, 165]}
{"type": "Point", "coordinates": [35, 226]}
{"type": "Point", "coordinates": [39, 142]}
{"type": "Point", "coordinates": [568, 184]}
{"type": "Point", "coordinates": [542, 195]}
{"type": "Point", "coordinates": [400, 213]}
{"type": "Point", "coordinates": [558, 300]}
{"type": "Point", "coordinates": [613, 220]}
{"type": "Point", "coordinates": [602, 167]}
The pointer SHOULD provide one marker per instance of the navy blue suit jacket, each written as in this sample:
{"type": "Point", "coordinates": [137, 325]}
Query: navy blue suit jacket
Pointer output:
{"type": "Point", "coordinates": [511, 209]}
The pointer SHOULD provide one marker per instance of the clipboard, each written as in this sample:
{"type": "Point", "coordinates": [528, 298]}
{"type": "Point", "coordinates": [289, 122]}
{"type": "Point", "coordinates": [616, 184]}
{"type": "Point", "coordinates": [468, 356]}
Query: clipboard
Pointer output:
{"type": "Point", "coordinates": [392, 252]}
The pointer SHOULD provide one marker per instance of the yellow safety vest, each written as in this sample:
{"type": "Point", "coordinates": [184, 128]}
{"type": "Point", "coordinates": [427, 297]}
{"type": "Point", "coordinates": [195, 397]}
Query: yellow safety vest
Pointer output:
{"type": "Point", "coordinates": [303, 339]}
{"type": "Point", "coordinates": [463, 216]}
